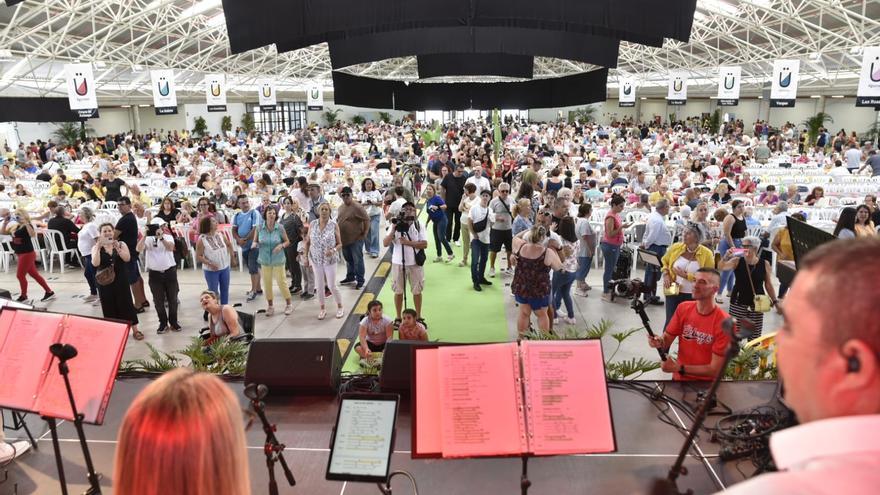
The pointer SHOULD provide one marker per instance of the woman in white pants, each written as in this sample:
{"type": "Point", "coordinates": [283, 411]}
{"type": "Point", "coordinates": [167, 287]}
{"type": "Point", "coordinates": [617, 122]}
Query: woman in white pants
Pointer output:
{"type": "Point", "coordinates": [322, 248]}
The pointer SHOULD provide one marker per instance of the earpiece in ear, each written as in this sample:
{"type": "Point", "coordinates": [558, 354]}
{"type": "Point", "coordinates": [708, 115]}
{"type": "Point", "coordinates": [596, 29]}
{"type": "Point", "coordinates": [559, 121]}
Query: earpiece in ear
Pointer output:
{"type": "Point", "coordinates": [852, 364]}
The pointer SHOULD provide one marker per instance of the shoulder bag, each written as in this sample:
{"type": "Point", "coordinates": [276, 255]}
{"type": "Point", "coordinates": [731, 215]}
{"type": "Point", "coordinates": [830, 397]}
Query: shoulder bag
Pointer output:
{"type": "Point", "coordinates": [761, 303]}
{"type": "Point", "coordinates": [105, 276]}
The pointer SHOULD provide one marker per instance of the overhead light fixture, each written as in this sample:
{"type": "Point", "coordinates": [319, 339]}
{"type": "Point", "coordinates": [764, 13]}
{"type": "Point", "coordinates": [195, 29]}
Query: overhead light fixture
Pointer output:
{"type": "Point", "coordinates": [126, 106]}
{"type": "Point", "coordinates": [198, 8]}
{"type": "Point", "coordinates": [643, 97]}
{"type": "Point", "coordinates": [815, 96]}
{"type": "Point", "coordinates": [837, 96]}
{"type": "Point", "coordinates": [143, 106]}
{"type": "Point", "coordinates": [760, 97]}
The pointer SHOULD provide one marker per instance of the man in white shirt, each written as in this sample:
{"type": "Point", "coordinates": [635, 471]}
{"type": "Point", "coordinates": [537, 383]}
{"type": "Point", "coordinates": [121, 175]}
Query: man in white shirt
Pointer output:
{"type": "Point", "coordinates": [853, 157]}
{"type": "Point", "coordinates": [404, 246]}
{"type": "Point", "coordinates": [158, 247]}
{"type": "Point", "coordinates": [838, 169]}
{"type": "Point", "coordinates": [656, 239]}
{"type": "Point", "coordinates": [477, 179]}
{"type": "Point", "coordinates": [829, 361]}
{"type": "Point", "coordinates": [479, 219]}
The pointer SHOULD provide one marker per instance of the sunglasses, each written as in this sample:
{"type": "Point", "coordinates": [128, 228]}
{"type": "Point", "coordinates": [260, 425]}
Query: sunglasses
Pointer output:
{"type": "Point", "coordinates": [546, 213]}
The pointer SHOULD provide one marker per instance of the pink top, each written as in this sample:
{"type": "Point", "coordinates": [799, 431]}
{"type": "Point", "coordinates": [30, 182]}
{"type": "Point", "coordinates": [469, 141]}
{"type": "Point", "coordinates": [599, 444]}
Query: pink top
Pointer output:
{"type": "Point", "coordinates": [618, 239]}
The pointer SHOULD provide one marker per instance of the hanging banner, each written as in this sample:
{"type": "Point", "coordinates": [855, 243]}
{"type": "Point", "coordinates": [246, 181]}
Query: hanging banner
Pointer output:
{"type": "Point", "coordinates": [164, 92]}
{"type": "Point", "coordinates": [869, 80]}
{"type": "Point", "coordinates": [783, 87]}
{"type": "Point", "coordinates": [266, 88]}
{"type": "Point", "coordinates": [678, 90]}
{"type": "Point", "coordinates": [215, 92]}
{"type": "Point", "coordinates": [728, 86]}
{"type": "Point", "coordinates": [315, 98]}
{"type": "Point", "coordinates": [81, 91]}
{"type": "Point", "coordinates": [627, 93]}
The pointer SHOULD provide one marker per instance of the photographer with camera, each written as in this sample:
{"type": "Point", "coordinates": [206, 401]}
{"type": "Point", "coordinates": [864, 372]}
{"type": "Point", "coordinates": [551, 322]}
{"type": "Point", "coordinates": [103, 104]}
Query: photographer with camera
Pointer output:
{"type": "Point", "coordinates": [407, 236]}
{"type": "Point", "coordinates": [697, 326]}
{"type": "Point", "coordinates": [158, 249]}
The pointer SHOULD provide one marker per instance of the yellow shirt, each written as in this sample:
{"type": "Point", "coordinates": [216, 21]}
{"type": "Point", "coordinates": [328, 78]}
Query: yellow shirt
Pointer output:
{"type": "Point", "coordinates": [785, 244]}
{"type": "Point", "coordinates": [55, 189]}
{"type": "Point", "coordinates": [703, 256]}
{"type": "Point", "coordinates": [656, 196]}
{"type": "Point", "coordinates": [866, 230]}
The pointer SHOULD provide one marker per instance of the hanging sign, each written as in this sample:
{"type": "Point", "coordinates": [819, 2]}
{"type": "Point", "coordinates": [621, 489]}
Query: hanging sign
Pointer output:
{"type": "Point", "coordinates": [728, 86]}
{"type": "Point", "coordinates": [677, 94]}
{"type": "Point", "coordinates": [164, 92]}
{"type": "Point", "coordinates": [266, 88]}
{"type": "Point", "coordinates": [315, 98]}
{"type": "Point", "coordinates": [868, 94]}
{"type": "Point", "coordinates": [215, 92]}
{"type": "Point", "coordinates": [81, 91]}
{"type": "Point", "coordinates": [627, 93]}
{"type": "Point", "coordinates": [783, 87]}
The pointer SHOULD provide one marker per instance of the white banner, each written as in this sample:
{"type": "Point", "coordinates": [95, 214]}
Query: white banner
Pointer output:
{"type": "Point", "coordinates": [728, 86]}
{"type": "Point", "coordinates": [215, 92]}
{"type": "Point", "coordinates": [783, 87]}
{"type": "Point", "coordinates": [869, 80]}
{"type": "Point", "coordinates": [266, 88]}
{"type": "Point", "coordinates": [315, 98]}
{"type": "Point", "coordinates": [164, 92]}
{"type": "Point", "coordinates": [81, 89]}
{"type": "Point", "coordinates": [627, 93]}
{"type": "Point", "coordinates": [678, 91]}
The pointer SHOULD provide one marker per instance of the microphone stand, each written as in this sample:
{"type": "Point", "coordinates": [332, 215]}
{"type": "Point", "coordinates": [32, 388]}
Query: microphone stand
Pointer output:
{"type": "Point", "coordinates": [639, 308]}
{"type": "Point", "coordinates": [669, 485]}
{"type": "Point", "coordinates": [65, 352]}
{"type": "Point", "coordinates": [273, 449]}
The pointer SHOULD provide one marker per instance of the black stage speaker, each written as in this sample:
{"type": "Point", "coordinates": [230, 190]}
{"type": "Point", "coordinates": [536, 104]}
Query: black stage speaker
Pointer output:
{"type": "Point", "coordinates": [294, 365]}
{"type": "Point", "coordinates": [5, 294]}
{"type": "Point", "coordinates": [397, 359]}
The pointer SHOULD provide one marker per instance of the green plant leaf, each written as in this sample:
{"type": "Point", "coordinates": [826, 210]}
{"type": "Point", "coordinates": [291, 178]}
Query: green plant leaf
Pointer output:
{"type": "Point", "coordinates": [621, 336]}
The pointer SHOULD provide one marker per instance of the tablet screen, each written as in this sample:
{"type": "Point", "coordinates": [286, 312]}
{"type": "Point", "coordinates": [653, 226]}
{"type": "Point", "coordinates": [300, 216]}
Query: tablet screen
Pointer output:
{"type": "Point", "coordinates": [363, 442]}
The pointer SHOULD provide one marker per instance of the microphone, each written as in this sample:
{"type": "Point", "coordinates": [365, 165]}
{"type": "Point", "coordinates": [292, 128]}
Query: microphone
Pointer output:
{"type": "Point", "coordinates": [255, 391]}
{"type": "Point", "coordinates": [63, 351]}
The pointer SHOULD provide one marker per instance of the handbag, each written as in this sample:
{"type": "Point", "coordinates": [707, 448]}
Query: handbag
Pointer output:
{"type": "Point", "coordinates": [761, 302]}
{"type": "Point", "coordinates": [481, 225]}
{"type": "Point", "coordinates": [105, 276]}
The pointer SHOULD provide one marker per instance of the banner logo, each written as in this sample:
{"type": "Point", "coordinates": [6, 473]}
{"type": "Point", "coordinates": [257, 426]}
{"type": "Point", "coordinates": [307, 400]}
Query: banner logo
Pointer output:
{"type": "Point", "coordinates": [875, 70]}
{"type": "Point", "coordinates": [267, 90]}
{"type": "Point", "coordinates": [164, 90]}
{"type": "Point", "coordinates": [315, 93]}
{"type": "Point", "coordinates": [627, 89]}
{"type": "Point", "coordinates": [215, 88]}
{"type": "Point", "coordinates": [784, 77]}
{"type": "Point", "coordinates": [677, 84]}
{"type": "Point", "coordinates": [729, 81]}
{"type": "Point", "coordinates": [80, 84]}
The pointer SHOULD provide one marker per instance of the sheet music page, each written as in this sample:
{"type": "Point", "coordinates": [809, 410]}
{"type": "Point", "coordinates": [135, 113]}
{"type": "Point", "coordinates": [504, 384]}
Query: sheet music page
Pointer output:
{"type": "Point", "coordinates": [362, 445]}
{"type": "Point", "coordinates": [99, 345]}
{"type": "Point", "coordinates": [427, 433]}
{"type": "Point", "coordinates": [567, 397]}
{"type": "Point", "coordinates": [25, 338]}
{"type": "Point", "coordinates": [480, 415]}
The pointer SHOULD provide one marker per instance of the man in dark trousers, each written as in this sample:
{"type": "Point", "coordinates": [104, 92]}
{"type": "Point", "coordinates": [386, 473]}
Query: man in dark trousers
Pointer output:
{"type": "Point", "coordinates": [354, 223]}
{"type": "Point", "coordinates": [453, 187]}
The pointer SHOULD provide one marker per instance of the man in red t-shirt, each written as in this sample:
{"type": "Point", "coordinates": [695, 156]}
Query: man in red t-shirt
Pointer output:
{"type": "Point", "coordinates": [697, 325]}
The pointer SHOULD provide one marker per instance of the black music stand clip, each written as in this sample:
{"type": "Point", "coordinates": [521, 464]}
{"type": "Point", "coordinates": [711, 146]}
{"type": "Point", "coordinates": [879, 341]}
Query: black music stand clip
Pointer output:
{"type": "Point", "coordinates": [65, 352]}
{"type": "Point", "coordinates": [273, 449]}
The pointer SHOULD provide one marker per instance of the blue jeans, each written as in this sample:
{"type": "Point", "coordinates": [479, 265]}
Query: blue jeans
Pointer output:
{"type": "Point", "coordinates": [89, 272]}
{"type": "Point", "coordinates": [250, 257]}
{"type": "Point", "coordinates": [727, 277]}
{"type": "Point", "coordinates": [584, 264]}
{"type": "Point", "coordinates": [479, 257]}
{"type": "Point", "coordinates": [373, 235]}
{"type": "Point", "coordinates": [440, 240]}
{"type": "Point", "coordinates": [354, 261]}
{"type": "Point", "coordinates": [652, 273]}
{"type": "Point", "coordinates": [610, 253]}
{"type": "Point", "coordinates": [561, 290]}
{"type": "Point", "coordinates": [219, 283]}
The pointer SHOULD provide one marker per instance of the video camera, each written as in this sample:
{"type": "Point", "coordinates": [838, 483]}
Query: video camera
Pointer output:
{"type": "Point", "coordinates": [401, 222]}
{"type": "Point", "coordinates": [626, 288]}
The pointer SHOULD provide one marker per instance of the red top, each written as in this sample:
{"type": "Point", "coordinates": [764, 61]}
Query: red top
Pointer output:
{"type": "Point", "coordinates": [699, 336]}
{"type": "Point", "coordinates": [618, 239]}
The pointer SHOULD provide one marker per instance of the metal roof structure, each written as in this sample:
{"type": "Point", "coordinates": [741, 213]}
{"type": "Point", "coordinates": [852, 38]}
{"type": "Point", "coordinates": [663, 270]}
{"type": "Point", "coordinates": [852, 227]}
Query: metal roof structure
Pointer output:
{"type": "Point", "coordinates": [125, 38]}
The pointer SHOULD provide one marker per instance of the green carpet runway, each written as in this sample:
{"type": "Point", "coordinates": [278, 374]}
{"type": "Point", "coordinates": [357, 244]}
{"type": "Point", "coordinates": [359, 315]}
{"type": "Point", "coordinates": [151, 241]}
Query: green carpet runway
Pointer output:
{"type": "Point", "coordinates": [453, 310]}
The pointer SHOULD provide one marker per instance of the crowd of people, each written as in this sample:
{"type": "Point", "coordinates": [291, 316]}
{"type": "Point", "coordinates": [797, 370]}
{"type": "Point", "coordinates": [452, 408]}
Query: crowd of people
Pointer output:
{"type": "Point", "coordinates": [556, 199]}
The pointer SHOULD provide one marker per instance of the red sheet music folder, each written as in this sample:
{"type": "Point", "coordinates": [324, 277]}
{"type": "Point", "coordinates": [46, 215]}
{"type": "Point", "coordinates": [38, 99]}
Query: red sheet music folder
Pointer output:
{"type": "Point", "coordinates": [29, 377]}
{"type": "Point", "coordinates": [534, 398]}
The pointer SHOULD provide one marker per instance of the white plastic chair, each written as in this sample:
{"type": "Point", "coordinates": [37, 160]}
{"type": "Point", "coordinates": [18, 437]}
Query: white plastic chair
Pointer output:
{"type": "Point", "coordinates": [55, 241]}
{"type": "Point", "coordinates": [110, 205]}
{"type": "Point", "coordinates": [6, 254]}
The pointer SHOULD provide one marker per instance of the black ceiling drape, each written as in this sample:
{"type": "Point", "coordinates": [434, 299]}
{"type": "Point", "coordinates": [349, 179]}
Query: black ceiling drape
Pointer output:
{"type": "Point", "coordinates": [578, 89]}
{"type": "Point", "coordinates": [300, 23]}
{"type": "Point", "coordinates": [475, 64]}
{"type": "Point", "coordinates": [23, 109]}
{"type": "Point", "coordinates": [579, 47]}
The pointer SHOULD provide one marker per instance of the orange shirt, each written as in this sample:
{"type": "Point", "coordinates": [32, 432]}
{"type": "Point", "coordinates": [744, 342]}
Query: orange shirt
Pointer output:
{"type": "Point", "coordinates": [699, 336]}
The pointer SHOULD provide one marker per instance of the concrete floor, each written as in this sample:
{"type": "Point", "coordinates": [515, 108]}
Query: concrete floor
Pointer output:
{"type": "Point", "coordinates": [71, 288]}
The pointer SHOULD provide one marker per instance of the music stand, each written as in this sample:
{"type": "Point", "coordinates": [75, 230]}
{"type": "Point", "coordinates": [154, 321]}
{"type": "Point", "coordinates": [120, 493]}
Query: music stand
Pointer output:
{"type": "Point", "coordinates": [650, 258]}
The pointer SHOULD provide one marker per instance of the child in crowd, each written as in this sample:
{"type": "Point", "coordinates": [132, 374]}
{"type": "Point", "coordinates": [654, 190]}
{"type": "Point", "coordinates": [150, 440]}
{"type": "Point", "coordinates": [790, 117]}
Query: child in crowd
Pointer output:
{"type": "Point", "coordinates": [375, 330]}
{"type": "Point", "coordinates": [410, 328]}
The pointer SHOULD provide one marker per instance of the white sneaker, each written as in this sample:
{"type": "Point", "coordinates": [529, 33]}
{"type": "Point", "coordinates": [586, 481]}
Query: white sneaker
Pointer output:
{"type": "Point", "coordinates": [270, 311]}
{"type": "Point", "coordinates": [457, 243]}
{"type": "Point", "coordinates": [288, 309]}
{"type": "Point", "coordinates": [10, 451]}
{"type": "Point", "coordinates": [580, 292]}
{"type": "Point", "coordinates": [570, 321]}
{"type": "Point", "coordinates": [91, 298]}
{"type": "Point", "coordinates": [492, 272]}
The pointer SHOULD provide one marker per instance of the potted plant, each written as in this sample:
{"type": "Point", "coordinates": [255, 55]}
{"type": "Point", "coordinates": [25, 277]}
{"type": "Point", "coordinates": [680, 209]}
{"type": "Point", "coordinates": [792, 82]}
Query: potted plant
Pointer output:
{"type": "Point", "coordinates": [226, 123]}
{"type": "Point", "coordinates": [358, 120]}
{"type": "Point", "coordinates": [247, 123]}
{"type": "Point", "coordinates": [813, 124]}
{"type": "Point", "coordinates": [200, 127]}
{"type": "Point", "coordinates": [384, 117]}
{"type": "Point", "coordinates": [332, 116]}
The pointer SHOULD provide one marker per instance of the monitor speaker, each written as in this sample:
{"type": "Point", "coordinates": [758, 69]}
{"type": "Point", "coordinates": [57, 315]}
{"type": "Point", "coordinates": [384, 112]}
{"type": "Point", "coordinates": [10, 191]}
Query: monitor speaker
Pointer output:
{"type": "Point", "coordinates": [288, 366]}
{"type": "Point", "coordinates": [397, 359]}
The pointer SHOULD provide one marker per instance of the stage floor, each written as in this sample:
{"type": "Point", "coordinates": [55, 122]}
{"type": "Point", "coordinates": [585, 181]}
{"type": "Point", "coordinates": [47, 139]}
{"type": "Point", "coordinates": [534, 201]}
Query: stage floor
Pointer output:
{"type": "Point", "coordinates": [646, 449]}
